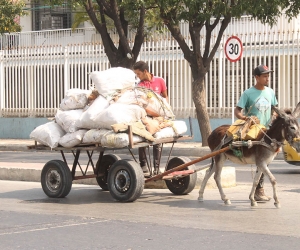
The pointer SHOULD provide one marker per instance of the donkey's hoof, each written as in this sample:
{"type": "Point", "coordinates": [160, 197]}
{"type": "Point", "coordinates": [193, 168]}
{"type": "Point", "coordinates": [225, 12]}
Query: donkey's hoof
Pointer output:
{"type": "Point", "coordinates": [200, 198]}
{"type": "Point", "coordinates": [227, 202]}
{"type": "Point", "coordinates": [277, 205]}
{"type": "Point", "coordinates": [253, 204]}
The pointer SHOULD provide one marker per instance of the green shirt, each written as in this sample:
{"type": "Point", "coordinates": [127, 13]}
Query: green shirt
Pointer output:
{"type": "Point", "coordinates": [258, 103]}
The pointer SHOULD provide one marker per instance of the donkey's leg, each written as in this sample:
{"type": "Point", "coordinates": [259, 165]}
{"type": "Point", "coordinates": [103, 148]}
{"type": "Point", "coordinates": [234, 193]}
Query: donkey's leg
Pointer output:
{"type": "Point", "coordinates": [208, 174]}
{"type": "Point", "coordinates": [273, 181]}
{"type": "Point", "coordinates": [254, 185]}
{"type": "Point", "coordinates": [217, 177]}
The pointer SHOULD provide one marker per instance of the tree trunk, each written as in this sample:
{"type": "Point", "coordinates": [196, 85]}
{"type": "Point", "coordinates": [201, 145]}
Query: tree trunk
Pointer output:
{"type": "Point", "coordinates": [119, 61]}
{"type": "Point", "coordinates": [199, 98]}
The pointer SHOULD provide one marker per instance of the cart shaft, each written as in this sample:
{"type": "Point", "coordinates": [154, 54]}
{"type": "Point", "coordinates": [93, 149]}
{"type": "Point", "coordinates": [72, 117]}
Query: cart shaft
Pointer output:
{"type": "Point", "coordinates": [183, 166]}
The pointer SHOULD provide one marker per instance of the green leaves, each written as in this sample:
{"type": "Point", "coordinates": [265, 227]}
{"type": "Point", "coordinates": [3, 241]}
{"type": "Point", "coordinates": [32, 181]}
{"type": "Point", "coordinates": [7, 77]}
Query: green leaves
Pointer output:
{"type": "Point", "coordinates": [10, 11]}
{"type": "Point", "coordinates": [199, 11]}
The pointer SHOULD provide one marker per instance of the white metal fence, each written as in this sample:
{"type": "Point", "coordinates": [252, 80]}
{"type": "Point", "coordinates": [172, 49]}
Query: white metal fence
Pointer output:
{"type": "Point", "coordinates": [33, 79]}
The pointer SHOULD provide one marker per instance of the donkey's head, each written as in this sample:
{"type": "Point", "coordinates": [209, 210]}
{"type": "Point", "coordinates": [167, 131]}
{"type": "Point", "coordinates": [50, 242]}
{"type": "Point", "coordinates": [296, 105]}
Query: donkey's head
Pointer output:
{"type": "Point", "coordinates": [290, 126]}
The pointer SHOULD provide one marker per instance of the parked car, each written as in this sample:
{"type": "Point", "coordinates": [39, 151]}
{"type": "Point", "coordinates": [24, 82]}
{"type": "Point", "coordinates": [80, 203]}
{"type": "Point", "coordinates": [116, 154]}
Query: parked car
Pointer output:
{"type": "Point", "coordinates": [290, 154]}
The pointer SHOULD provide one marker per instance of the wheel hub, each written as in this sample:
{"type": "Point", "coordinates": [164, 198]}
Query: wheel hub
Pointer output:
{"type": "Point", "coordinates": [122, 181]}
{"type": "Point", "coordinates": [53, 180]}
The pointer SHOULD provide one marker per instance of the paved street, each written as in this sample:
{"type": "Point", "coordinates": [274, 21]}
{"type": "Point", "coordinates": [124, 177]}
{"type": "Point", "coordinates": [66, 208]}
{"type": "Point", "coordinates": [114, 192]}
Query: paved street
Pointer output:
{"type": "Point", "coordinates": [89, 218]}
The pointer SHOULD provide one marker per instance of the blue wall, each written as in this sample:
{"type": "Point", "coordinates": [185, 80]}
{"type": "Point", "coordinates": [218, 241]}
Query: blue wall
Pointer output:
{"type": "Point", "coordinates": [20, 128]}
{"type": "Point", "coordinates": [214, 123]}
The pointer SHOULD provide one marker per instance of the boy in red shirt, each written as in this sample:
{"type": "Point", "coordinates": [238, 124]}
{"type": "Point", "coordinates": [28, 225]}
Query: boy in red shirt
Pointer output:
{"type": "Point", "coordinates": [158, 85]}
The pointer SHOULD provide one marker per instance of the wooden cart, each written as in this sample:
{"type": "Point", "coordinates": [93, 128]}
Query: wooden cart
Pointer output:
{"type": "Point", "coordinates": [123, 178]}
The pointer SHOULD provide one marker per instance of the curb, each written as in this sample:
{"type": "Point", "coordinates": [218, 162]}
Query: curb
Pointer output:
{"type": "Point", "coordinates": [228, 178]}
{"type": "Point", "coordinates": [33, 174]}
{"type": "Point", "coordinates": [180, 149]}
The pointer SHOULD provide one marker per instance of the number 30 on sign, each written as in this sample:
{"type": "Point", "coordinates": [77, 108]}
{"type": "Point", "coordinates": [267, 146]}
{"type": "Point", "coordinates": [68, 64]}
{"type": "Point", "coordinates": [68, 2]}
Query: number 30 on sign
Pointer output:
{"type": "Point", "coordinates": [233, 49]}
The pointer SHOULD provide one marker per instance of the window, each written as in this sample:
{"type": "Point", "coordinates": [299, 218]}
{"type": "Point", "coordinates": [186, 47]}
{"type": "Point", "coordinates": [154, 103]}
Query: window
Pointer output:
{"type": "Point", "coordinates": [45, 17]}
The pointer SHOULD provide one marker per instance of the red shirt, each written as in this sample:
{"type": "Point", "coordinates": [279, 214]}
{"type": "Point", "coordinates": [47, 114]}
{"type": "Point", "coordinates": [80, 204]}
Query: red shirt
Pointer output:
{"type": "Point", "coordinates": [157, 84]}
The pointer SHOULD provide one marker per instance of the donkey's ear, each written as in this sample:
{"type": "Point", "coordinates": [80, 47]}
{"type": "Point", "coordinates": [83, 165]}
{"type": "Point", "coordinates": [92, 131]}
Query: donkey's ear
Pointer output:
{"type": "Point", "coordinates": [278, 112]}
{"type": "Point", "coordinates": [296, 112]}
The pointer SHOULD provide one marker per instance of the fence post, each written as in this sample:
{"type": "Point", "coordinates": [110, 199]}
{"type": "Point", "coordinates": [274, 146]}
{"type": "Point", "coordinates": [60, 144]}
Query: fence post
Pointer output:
{"type": "Point", "coordinates": [1, 82]}
{"type": "Point", "coordinates": [66, 70]}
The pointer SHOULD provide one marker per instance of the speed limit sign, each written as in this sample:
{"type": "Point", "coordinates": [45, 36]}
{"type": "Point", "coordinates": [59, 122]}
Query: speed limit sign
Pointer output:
{"type": "Point", "coordinates": [233, 49]}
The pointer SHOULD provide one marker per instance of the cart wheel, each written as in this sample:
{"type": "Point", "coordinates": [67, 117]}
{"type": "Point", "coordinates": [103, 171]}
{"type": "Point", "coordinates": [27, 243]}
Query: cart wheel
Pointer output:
{"type": "Point", "coordinates": [56, 179]}
{"type": "Point", "coordinates": [106, 162]}
{"type": "Point", "coordinates": [125, 180]}
{"type": "Point", "coordinates": [183, 185]}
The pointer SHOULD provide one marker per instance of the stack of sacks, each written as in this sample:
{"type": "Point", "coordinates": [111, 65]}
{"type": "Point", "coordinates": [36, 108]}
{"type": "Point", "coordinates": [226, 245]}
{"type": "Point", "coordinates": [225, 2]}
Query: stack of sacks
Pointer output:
{"type": "Point", "coordinates": [64, 130]}
{"type": "Point", "coordinates": [89, 116]}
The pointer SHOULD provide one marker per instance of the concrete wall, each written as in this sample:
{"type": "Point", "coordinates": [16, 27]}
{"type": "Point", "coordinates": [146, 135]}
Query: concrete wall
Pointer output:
{"type": "Point", "coordinates": [20, 128]}
{"type": "Point", "coordinates": [25, 21]}
{"type": "Point", "coordinates": [214, 123]}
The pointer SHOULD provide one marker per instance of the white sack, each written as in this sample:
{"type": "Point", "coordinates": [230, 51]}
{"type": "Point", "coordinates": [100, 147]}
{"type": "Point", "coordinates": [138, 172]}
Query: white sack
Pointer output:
{"type": "Point", "coordinates": [68, 119]}
{"type": "Point", "coordinates": [120, 113]}
{"type": "Point", "coordinates": [48, 134]}
{"type": "Point", "coordinates": [94, 135]}
{"type": "Point", "coordinates": [118, 140]}
{"type": "Point", "coordinates": [89, 118]}
{"type": "Point", "coordinates": [149, 100]}
{"type": "Point", "coordinates": [109, 81]}
{"type": "Point", "coordinates": [70, 140]}
{"type": "Point", "coordinates": [178, 128]}
{"type": "Point", "coordinates": [75, 99]}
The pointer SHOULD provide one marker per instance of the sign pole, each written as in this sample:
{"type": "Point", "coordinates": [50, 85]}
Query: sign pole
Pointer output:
{"type": "Point", "coordinates": [233, 51]}
{"type": "Point", "coordinates": [232, 95]}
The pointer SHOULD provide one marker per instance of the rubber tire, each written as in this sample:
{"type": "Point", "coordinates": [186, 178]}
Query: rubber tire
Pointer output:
{"type": "Point", "coordinates": [183, 185]}
{"type": "Point", "coordinates": [51, 173]}
{"type": "Point", "coordinates": [133, 174]}
{"type": "Point", "coordinates": [106, 162]}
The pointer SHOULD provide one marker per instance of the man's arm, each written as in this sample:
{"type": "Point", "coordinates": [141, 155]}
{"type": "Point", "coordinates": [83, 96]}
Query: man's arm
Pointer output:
{"type": "Point", "coordinates": [165, 95]}
{"type": "Point", "coordinates": [239, 114]}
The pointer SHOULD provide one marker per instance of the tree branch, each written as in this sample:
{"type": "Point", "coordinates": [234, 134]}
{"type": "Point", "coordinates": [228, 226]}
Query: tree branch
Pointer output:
{"type": "Point", "coordinates": [101, 28]}
{"type": "Point", "coordinates": [140, 34]}
{"type": "Point", "coordinates": [118, 24]}
{"type": "Point", "coordinates": [207, 39]}
{"type": "Point", "coordinates": [175, 31]}
{"type": "Point", "coordinates": [195, 38]}
{"type": "Point", "coordinates": [209, 28]}
{"type": "Point", "coordinates": [224, 25]}
{"type": "Point", "coordinates": [106, 7]}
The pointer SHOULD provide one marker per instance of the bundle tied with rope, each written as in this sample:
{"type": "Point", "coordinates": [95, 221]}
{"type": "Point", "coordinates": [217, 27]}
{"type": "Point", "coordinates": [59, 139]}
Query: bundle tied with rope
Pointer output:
{"type": "Point", "coordinates": [154, 104]}
{"type": "Point", "coordinates": [158, 112]}
{"type": "Point", "coordinates": [248, 129]}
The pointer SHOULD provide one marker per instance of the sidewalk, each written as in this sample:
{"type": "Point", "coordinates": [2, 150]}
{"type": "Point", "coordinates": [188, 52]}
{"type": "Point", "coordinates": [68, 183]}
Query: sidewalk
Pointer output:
{"type": "Point", "coordinates": [189, 149]}
{"type": "Point", "coordinates": [180, 148]}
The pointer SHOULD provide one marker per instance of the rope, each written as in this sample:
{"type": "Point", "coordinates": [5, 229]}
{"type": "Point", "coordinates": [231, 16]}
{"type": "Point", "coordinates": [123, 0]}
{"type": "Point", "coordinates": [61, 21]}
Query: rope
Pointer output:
{"type": "Point", "coordinates": [272, 140]}
{"type": "Point", "coordinates": [252, 172]}
{"type": "Point", "coordinates": [153, 94]}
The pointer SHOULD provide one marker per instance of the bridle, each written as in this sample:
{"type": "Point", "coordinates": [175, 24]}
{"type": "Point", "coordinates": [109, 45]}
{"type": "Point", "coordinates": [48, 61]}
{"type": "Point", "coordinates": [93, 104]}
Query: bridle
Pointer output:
{"type": "Point", "coordinates": [273, 144]}
{"type": "Point", "coordinates": [290, 133]}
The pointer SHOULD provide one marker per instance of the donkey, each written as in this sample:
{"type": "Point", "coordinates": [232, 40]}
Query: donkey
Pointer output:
{"type": "Point", "coordinates": [284, 127]}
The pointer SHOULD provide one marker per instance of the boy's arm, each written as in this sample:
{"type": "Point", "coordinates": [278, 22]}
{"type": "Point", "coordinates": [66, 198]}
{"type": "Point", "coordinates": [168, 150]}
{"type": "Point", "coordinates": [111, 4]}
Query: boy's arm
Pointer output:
{"type": "Point", "coordinates": [239, 114]}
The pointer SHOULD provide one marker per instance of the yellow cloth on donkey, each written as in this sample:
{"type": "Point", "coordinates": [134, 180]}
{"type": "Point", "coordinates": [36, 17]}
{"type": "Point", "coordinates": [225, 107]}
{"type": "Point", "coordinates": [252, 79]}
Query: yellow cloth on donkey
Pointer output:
{"type": "Point", "coordinates": [245, 130]}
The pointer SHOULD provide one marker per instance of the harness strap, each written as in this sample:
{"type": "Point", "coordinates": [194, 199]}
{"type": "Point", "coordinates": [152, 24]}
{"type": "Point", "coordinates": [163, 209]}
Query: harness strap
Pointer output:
{"type": "Point", "coordinates": [224, 141]}
{"type": "Point", "coordinates": [250, 144]}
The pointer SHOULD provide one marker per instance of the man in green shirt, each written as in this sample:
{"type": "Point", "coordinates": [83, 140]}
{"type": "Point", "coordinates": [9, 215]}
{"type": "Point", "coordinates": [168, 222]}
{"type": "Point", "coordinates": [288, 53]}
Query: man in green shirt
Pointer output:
{"type": "Point", "coordinates": [257, 101]}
